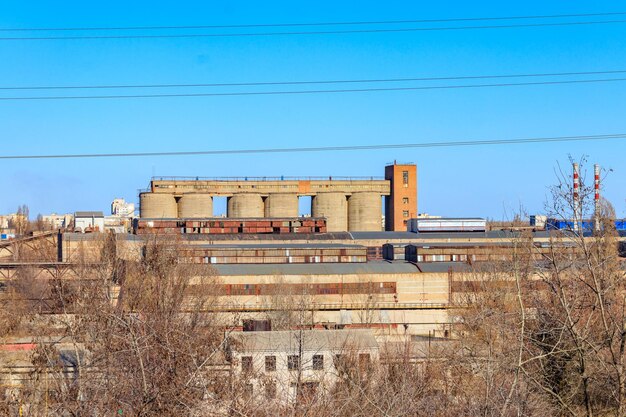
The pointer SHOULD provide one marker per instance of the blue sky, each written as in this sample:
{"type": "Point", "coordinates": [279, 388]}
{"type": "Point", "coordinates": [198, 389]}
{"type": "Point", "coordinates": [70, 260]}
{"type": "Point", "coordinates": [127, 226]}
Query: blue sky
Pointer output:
{"type": "Point", "coordinates": [476, 181]}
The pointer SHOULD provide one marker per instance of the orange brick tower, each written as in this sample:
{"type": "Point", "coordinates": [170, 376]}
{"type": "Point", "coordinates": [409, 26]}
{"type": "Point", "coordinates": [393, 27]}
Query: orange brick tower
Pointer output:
{"type": "Point", "coordinates": [401, 205]}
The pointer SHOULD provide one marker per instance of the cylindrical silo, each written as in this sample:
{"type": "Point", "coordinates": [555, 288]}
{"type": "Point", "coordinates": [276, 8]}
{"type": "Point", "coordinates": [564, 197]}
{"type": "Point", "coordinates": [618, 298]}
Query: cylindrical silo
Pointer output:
{"type": "Point", "coordinates": [246, 205]}
{"type": "Point", "coordinates": [153, 205]}
{"type": "Point", "coordinates": [333, 206]}
{"type": "Point", "coordinates": [281, 205]}
{"type": "Point", "coordinates": [365, 212]}
{"type": "Point", "coordinates": [195, 205]}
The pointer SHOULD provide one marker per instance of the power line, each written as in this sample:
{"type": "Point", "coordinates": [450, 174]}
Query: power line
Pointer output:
{"type": "Point", "coordinates": [344, 23]}
{"type": "Point", "coordinates": [303, 33]}
{"type": "Point", "coordinates": [299, 92]}
{"type": "Point", "coordinates": [331, 148]}
{"type": "Point", "coordinates": [348, 81]}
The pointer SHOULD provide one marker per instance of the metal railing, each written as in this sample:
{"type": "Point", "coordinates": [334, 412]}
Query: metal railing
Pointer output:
{"type": "Point", "coordinates": [271, 178]}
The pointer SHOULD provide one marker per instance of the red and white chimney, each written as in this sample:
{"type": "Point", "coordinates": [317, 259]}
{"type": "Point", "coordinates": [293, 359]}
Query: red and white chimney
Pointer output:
{"type": "Point", "coordinates": [576, 197]}
{"type": "Point", "coordinates": [596, 196]}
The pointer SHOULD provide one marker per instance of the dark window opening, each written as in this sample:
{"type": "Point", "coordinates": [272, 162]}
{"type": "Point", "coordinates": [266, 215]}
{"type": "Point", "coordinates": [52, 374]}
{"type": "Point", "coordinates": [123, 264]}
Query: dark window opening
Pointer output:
{"type": "Point", "coordinates": [270, 390]}
{"type": "Point", "coordinates": [270, 363]}
{"type": "Point", "coordinates": [246, 364]}
{"type": "Point", "coordinates": [364, 361]}
{"type": "Point", "coordinates": [293, 362]}
{"type": "Point", "coordinates": [307, 391]}
{"type": "Point", "coordinates": [318, 362]}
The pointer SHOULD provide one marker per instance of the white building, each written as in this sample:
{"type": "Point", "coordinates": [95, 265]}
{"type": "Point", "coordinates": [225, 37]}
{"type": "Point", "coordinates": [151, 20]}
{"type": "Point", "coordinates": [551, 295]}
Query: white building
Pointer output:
{"type": "Point", "coordinates": [119, 207]}
{"type": "Point", "coordinates": [285, 365]}
{"type": "Point", "coordinates": [89, 220]}
{"type": "Point", "coordinates": [58, 221]}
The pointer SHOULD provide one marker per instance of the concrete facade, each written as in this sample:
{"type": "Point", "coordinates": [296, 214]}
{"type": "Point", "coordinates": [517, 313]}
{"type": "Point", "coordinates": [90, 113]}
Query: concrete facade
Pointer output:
{"type": "Point", "coordinates": [277, 361]}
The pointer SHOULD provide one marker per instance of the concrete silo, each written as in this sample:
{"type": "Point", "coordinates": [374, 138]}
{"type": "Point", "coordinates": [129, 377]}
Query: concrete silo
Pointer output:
{"type": "Point", "coordinates": [195, 205]}
{"type": "Point", "coordinates": [281, 205]}
{"type": "Point", "coordinates": [333, 206]}
{"type": "Point", "coordinates": [245, 205]}
{"type": "Point", "coordinates": [153, 205]}
{"type": "Point", "coordinates": [365, 212]}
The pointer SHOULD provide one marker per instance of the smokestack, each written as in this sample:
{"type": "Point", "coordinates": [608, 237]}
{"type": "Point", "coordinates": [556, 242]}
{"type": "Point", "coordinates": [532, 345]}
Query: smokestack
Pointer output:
{"type": "Point", "coordinates": [596, 197]}
{"type": "Point", "coordinates": [576, 197]}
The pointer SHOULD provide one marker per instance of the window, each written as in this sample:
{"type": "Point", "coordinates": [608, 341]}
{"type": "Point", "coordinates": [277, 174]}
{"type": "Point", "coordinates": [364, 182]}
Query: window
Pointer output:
{"type": "Point", "coordinates": [246, 364]}
{"type": "Point", "coordinates": [405, 213]}
{"type": "Point", "coordinates": [293, 362]}
{"type": "Point", "coordinates": [270, 389]}
{"type": "Point", "coordinates": [307, 391]}
{"type": "Point", "coordinates": [318, 362]}
{"type": "Point", "coordinates": [340, 363]}
{"type": "Point", "coordinates": [405, 178]}
{"type": "Point", "coordinates": [405, 200]}
{"type": "Point", "coordinates": [364, 360]}
{"type": "Point", "coordinates": [270, 363]}
{"type": "Point", "coordinates": [248, 391]}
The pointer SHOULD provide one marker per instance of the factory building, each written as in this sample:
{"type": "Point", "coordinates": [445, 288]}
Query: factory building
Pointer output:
{"type": "Point", "coordinates": [288, 366]}
{"type": "Point", "coordinates": [89, 220]}
{"type": "Point", "coordinates": [348, 204]}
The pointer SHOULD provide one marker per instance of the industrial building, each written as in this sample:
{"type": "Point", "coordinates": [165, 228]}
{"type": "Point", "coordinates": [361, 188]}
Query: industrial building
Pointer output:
{"type": "Point", "coordinates": [274, 363]}
{"type": "Point", "coordinates": [89, 220]}
{"type": "Point", "coordinates": [348, 204]}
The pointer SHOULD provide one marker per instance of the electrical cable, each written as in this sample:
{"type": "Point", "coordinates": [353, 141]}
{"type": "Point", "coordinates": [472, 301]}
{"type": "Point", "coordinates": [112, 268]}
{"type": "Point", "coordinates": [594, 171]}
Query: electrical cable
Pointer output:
{"type": "Point", "coordinates": [299, 92]}
{"type": "Point", "coordinates": [305, 33]}
{"type": "Point", "coordinates": [614, 136]}
{"type": "Point", "coordinates": [344, 23]}
{"type": "Point", "coordinates": [271, 83]}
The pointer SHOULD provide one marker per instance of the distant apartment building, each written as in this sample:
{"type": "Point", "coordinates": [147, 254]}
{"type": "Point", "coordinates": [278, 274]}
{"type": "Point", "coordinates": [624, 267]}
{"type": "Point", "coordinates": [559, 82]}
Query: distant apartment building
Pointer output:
{"type": "Point", "coordinates": [11, 219]}
{"type": "Point", "coordinates": [58, 221]}
{"type": "Point", "coordinates": [291, 365]}
{"type": "Point", "coordinates": [119, 207]}
{"type": "Point", "coordinates": [12, 224]}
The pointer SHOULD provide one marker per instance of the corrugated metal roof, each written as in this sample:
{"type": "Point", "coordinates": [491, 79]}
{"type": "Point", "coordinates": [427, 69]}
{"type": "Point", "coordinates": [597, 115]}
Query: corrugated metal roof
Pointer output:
{"type": "Point", "coordinates": [436, 267]}
{"type": "Point", "coordinates": [88, 214]}
{"type": "Point", "coordinates": [492, 234]}
{"type": "Point", "coordinates": [478, 244]}
{"type": "Point", "coordinates": [306, 340]}
{"type": "Point", "coordinates": [268, 236]}
{"type": "Point", "coordinates": [373, 267]}
{"type": "Point", "coordinates": [281, 246]}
